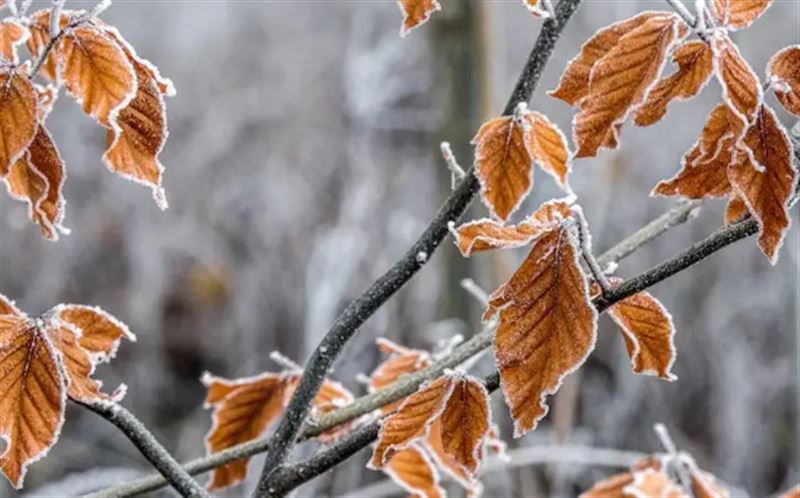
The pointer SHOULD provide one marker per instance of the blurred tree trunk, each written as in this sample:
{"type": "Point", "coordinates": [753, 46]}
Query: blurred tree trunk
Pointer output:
{"type": "Point", "coordinates": [461, 45]}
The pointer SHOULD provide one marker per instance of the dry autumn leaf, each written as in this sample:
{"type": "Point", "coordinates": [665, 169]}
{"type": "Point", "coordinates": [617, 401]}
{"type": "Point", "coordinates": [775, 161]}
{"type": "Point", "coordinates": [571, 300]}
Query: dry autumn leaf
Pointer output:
{"type": "Point", "coordinates": [574, 84]}
{"type": "Point", "coordinates": [735, 210]}
{"type": "Point", "coordinates": [548, 147]}
{"type": "Point", "coordinates": [648, 332]}
{"type": "Point", "coordinates": [37, 178]}
{"type": "Point", "coordinates": [738, 14]}
{"type": "Point", "coordinates": [445, 463]}
{"type": "Point", "coordinates": [412, 420]}
{"type": "Point", "coordinates": [544, 307]}
{"type": "Point", "coordinates": [610, 487]}
{"type": "Point", "coordinates": [12, 34]}
{"type": "Point", "coordinates": [416, 13]}
{"type": "Point", "coordinates": [401, 361]}
{"type": "Point", "coordinates": [649, 483]}
{"type": "Point", "coordinates": [413, 470]}
{"type": "Point", "coordinates": [741, 89]}
{"type": "Point", "coordinates": [96, 73]}
{"type": "Point", "coordinates": [765, 177]}
{"type": "Point", "coordinates": [695, 66]}
{"type": "Point", "coordinates": [783, 71]}
{"type": "Point", "coordinates": [704, 168]}
{"type": "Point", "coordinates": [465, 424]}
{"type": "Point", "coordinates": [133, 146]}
{"type": "Point", "coordinates": [242, 411]}
{"type": "Point", "coordinates": [18, 122]}
{"type": "Point", "coordinates": [43, 361]}
{"type": "Point", "coordinates": [621, 79]}
{"type": "Point", "coordinates": [503, 165]}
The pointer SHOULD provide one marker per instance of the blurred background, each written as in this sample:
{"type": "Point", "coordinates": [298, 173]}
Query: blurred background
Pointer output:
{"type": "Point", "coordinates": [303, 160]}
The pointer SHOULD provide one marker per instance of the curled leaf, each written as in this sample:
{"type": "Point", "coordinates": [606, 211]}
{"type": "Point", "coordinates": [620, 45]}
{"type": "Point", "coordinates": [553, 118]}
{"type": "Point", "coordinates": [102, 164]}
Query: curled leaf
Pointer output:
{"type": "Point", "coordinates": [465, 424]}
{"type": "Point", "coordinates": [765, 177]}
{"type": "Point", "coordinates": [783, 71]}
{"type": "Point", "coordinates": [100, 333]}
{"type": "Point", "coordinates": [621, 80]}
{"type": "Point", "coordinates": [547, 326]}
{"type": "Point", "coordinates": [37, 178]}
{"type": "Point", "coordinates": [695, 66]}
{"type": "Point", "coordinates": [485, 234]}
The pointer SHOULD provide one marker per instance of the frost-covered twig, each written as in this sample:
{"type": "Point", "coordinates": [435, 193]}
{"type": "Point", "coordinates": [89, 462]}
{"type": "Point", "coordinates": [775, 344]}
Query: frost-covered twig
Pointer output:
{"type": "Point", "coordinates": [361, 308]}
{"type": "Point", "coordinates": [402, 387]}
{"type": "Point", "coordinates": [674, 457]}
{"type": "Point", "coordinates": [55, 17]}
{"type": "Point", "coordinates": [475, 290]}
{"type": "Point", "coordinates": [12, 6]}
{"type": "Point", "coordinates": [586, 252]}
{"type": "Point", "coordinates": [681, 10]}
{"type": "Point", "coordinates": [149, 446]}
{"type": "Point", "coordinates": [456, 172]}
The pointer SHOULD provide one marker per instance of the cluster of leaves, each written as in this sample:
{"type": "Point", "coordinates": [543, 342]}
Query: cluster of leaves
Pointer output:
{"type": "Point", "coordinates": [417, 12]}
{"type": "Point", "coordinates": [547, 324]}
{"type": "Point", "coordinates": [743, 153]}
{"type": "Point", "coordinates": [122, 91]}
{"type": "Point", "coordinates": [44, 361]}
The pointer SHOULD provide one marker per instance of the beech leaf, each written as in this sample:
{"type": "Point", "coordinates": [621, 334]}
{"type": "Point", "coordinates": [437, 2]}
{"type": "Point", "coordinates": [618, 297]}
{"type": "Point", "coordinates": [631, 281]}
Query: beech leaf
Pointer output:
{"type": "Point", "coordinates": [548, 148]}
{"type": "Point", "coordinates": [783, 71]}
{"type": "Point", "coordinates": [401, 361]}
{"type": "Point", "coordinates": [738, 14]}
{"type": "Point", "coordinates": [741, 89]}
{"type": "Point", "coordinates": [416, 13]}
{"type": "Point", "coordinates": [695, 67]}
{"type": "Point", "coordinates": [12, 34]}
{"type": "Point", "coordinates": [18, 122]}
{"type": "Point", "coordinates": [465, 424]}
{"type": "Point", "coordinates": [412, 469]}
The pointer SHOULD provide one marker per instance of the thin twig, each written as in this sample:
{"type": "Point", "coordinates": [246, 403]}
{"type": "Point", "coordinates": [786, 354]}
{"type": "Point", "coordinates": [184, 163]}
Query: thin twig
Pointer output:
{"type": "Point", "coordinates": [586, 251]}
{"type": "Point", "coordinates": [360, 309]}
{"type": "Point", "coordinates": [55, 17]}
{"type": "Point", "coordinates": [683, 11]}
{"type": "Point", "coordinates": [674, 457]}
{"type": "Point", "coordinates": [475, 291]}
{"type": "Point", "coordinates": [403, 386]}
{"type": "Point", "coordinates": [12, 6]}
{"type": "Point", "coordinates": [456, 172]}
{"type": "Point", "coordinates": [149, 446]}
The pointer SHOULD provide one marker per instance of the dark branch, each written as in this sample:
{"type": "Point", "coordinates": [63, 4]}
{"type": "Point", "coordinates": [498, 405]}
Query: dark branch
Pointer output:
{"type": "Point", "coordinates": [360, 309]}
{"type": "Point", "coordinates": [149, 446]}
{"type": "Point", "coordinates": [288, 478]}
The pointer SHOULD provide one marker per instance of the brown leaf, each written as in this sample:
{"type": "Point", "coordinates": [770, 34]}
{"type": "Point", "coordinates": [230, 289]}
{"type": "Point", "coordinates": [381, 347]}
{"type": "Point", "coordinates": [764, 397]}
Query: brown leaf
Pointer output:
{"type": "Point", "coordinates": [621, 80]}
{"type": "Point", "coordinates": [695, 66]}
{"type": "Point", "coordinates": [704, 170]}
{"type": "Point", "coordinates": [37, 178]}
{"type": "Point", "coordinates": [413, 470]}
{"type": "Point", "coordinates": [465, 424]}
{"type": "Point", "coordinates": [735, 210]}
{"type": "Point", "coordinates": [609, 488]}
{"type": "Point", "coordinates": [133, 147]}
{"type": "Point", "coordinates": [648, 332]}
{"type": "Point", "coordinates": [783, 71]}
{"type": "Point", "coordinates": [741, 89]}
{"type": "Point", "coordinates": [412, 420]}
{"type": "Point", "coordinates": [547, 326]}
{"type": "Point", "coordinates": [401, 361]}
{"type": "Point", "coordinates": [97, 73]}
{"type": "Point", "coordinates": [18, 123]}
{"type": "Point", "coordinates": [100, 333]}
{"type": "Point", "coordinates": [485, 234]}
{"type": "Point", "coordinates": [649, 483]}
{"type": "Point", "coordinates": [32, 395]}
{"type": "Point", "coordinates": [574, 84]}
{"type": "Point", "coordinates": [242, 410]}
{"type": "Point", "coordinates": [12, 34]}
{"type": "Point", "coordinates": [503, 165]}
{"type": "Point", "coordinates": [78, 366]}
{"type": "Point", "coordinates": [765, 177]}
{"type": "Point", "coordinates": [738, 14]}
{"type": "Point", "coordinates": [8, 307]}
{"type": "Point", "coordinates": [548, 147]}
{"type": "Point", "coordinates": [447, 464]}
{"type": "Point", "coordinates": [416, 13]}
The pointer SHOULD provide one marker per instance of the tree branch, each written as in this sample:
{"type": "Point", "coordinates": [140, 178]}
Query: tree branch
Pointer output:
{"type": "Point", "coordinates": [404, 386]}
{"type": "Point", "coordinates": [288, 478]}
{"type": "Point", "coordinates": [149, 446]}
{"type": "Point", "coordinates": [360, 309]}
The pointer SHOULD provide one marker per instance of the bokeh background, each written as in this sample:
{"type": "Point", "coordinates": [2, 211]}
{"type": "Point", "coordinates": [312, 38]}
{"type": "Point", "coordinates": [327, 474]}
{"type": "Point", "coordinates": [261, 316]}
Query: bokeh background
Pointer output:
{"type": "Point", "coordinates": [303, 160]}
